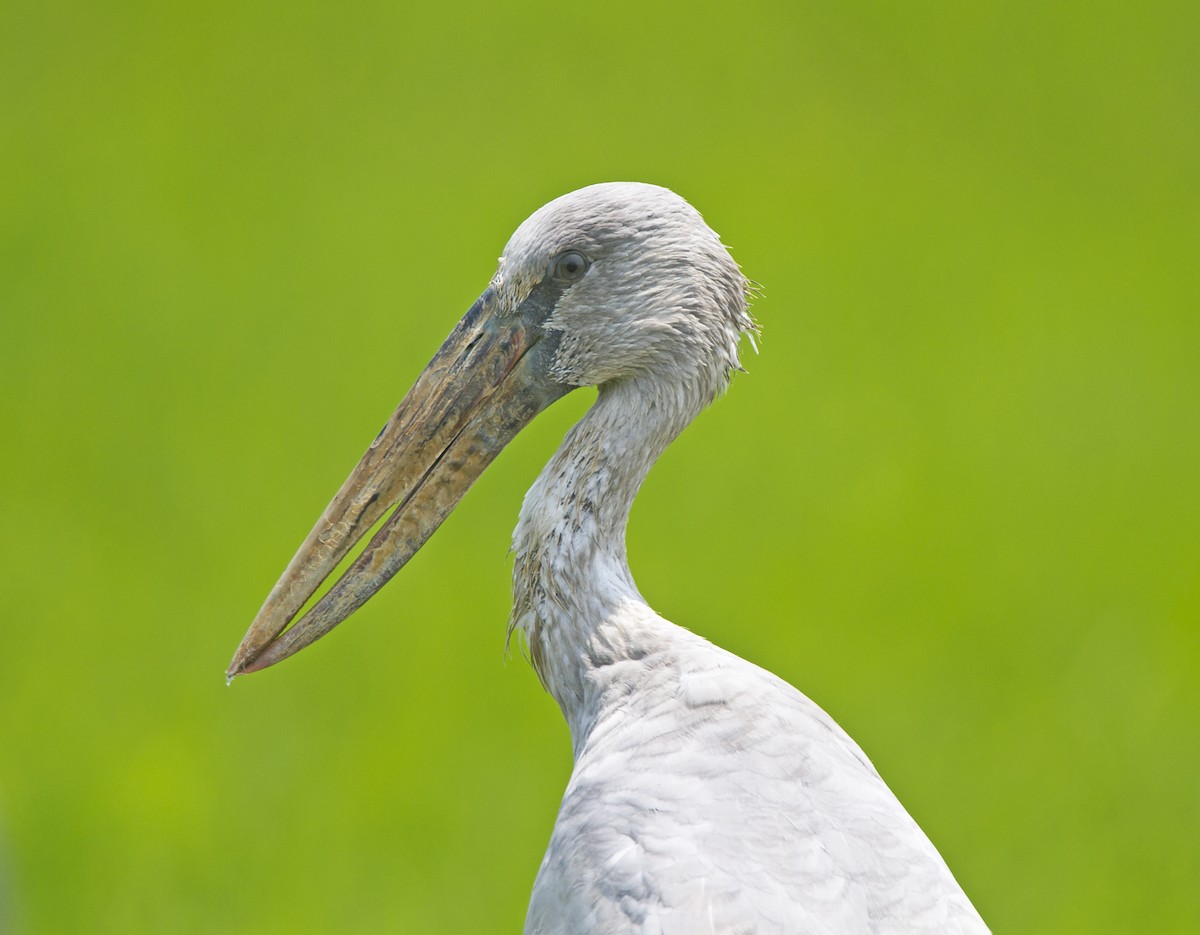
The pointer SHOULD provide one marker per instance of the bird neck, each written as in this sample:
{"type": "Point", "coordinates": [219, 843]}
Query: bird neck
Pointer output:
{"type": "Point", "coordinates": [574, 598]}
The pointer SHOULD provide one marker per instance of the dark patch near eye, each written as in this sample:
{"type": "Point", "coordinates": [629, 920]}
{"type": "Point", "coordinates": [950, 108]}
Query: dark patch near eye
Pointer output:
{"type": "Point", "coordinates": [536, 309]}
{"type": "Point", "coordinates": [542, 299]}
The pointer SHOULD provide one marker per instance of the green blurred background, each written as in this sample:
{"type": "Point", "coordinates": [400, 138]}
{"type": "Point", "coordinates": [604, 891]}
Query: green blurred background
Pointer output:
{"type": "Point", "coordinates": [955, 500]}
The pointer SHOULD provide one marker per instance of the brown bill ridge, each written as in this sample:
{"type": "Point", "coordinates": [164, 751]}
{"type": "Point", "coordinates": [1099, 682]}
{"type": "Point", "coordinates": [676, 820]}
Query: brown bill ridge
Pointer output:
{"type": "Point", "coordinates": [482, 387]}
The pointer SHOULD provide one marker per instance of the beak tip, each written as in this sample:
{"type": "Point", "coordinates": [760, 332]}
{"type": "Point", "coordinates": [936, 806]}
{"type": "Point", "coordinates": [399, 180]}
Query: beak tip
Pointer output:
{"type": "Point", "coordinates": [242, 664]}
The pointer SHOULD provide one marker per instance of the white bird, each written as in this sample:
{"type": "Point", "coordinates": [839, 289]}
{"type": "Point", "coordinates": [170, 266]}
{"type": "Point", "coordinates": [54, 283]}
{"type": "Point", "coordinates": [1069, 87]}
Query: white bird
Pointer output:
{"type": "Point", "coordinates": [708, 795]}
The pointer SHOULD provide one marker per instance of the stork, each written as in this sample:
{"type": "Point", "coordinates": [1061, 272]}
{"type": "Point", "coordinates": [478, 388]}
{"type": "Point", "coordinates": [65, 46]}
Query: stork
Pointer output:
{"type": "Point", "coordinates": [707, 795]}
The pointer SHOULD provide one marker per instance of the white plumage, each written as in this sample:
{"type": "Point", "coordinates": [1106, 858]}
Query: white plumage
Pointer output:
{"type": "Point", "coordinates": [708, 796]}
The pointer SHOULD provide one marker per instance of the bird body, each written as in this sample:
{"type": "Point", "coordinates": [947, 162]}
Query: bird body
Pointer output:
{"type": "Point", "coordinates": [708, 795]}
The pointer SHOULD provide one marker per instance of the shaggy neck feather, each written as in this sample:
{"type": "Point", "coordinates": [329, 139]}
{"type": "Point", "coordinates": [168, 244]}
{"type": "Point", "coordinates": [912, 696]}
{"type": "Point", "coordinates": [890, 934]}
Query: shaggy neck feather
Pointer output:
{"type": "Point", "coordinates": [574, 598]}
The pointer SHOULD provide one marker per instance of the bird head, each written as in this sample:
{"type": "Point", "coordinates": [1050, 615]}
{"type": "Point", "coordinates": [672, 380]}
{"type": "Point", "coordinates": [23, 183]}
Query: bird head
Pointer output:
{"type": "Point", "coordinates": [648, 289]}
{"type": "Point", "coordinates": [614, 284]}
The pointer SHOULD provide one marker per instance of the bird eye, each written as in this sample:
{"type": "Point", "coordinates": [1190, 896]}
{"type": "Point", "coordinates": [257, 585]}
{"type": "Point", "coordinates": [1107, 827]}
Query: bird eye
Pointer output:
{"type": "Point", "coordinates": [569, 266]}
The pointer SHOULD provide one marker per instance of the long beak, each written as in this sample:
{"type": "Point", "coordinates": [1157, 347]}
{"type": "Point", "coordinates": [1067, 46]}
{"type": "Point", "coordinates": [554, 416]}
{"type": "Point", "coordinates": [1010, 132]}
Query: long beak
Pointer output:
{"type": "Point", "coordinates": [481, 388]}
